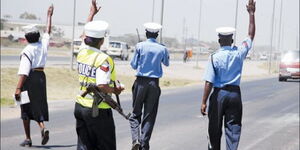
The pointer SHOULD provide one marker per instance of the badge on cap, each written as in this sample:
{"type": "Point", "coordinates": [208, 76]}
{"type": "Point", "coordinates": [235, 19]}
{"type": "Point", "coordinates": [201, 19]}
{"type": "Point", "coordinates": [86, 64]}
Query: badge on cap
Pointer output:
{"type": "Point", "coordinates": [225, 31]}
{"type": "Point", "coordinates": [152, 27]}
{"type": "Point", "coordinates": [96, 29]}
{"type": "Point", "coordinates": [30, 28]}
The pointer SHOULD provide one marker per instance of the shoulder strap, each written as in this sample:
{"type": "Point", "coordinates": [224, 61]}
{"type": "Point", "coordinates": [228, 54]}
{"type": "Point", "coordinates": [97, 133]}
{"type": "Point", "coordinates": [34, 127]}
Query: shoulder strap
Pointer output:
{"type": "Point", "coordinates": [26, 57]}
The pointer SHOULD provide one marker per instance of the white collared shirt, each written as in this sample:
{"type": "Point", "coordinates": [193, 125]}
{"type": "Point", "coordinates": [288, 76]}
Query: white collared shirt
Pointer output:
{"type": "Point", "coordinates": [34, 55]}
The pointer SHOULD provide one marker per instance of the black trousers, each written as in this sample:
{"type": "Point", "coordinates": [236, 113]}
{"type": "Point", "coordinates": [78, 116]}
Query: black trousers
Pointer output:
{"type": "Point", "coordinates": [146, 93]}
{"type": "Point", "coordinates": [225, 103]}
{"type": "Point", "coordinates": [95, 133]}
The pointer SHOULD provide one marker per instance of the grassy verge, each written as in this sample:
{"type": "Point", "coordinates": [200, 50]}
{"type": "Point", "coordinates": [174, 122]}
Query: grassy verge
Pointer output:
{"type": "Point", "coordinates": [274, 66]}
{"type": "Point", "coordinates": [62, 83]}
{"type": "Point", "coordinates": [16, 52]}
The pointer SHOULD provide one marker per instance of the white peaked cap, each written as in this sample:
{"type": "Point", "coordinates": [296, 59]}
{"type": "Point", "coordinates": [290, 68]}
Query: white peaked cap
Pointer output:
{"type": "Point", "coordinates": [225, 30]}
{"type": "Point", "coordinates": [96, 29]}
{"type": "Point", "coordinates": [30, 28]}
{"type": "Point", "coordinates": [152, 27]}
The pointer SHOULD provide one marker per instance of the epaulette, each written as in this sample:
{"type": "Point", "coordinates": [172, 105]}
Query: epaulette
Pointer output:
{"type": "Point", "coordinates": [162, 44]}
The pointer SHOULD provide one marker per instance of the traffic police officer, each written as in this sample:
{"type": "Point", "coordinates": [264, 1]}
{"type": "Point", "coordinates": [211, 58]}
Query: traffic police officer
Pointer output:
{"type": "Point", "coordinates": [224, 73]}
{"type": "Point", "coordinates": [147, 60]}
{"type": "Point", "coordinates": [95, 67]}
{"type": "Point", "coordinates": [32, 80]}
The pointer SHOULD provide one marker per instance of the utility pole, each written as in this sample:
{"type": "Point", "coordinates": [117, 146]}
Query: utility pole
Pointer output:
{"type": "Point", "coordinates": [236, 17]}
{"type": "Point", "coordinates": [199, 35]}
{"type": "Point", "coordinates": [72, 40]}
{"type": "Point", "coordinates": [162, 18]}
{"type": "Point", "coordinates": [271, 37]}
{"type": "Point", "coordinates": [184, 32]}
{"type": "Point", "coordinates": [280, 17]}
{"type": "Point", "coordinates": [153, 6]}
{"type": "Point", "coordinates": [297, 39]}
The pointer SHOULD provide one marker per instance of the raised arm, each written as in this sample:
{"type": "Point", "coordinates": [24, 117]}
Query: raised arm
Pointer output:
{"type": "Point", "coordinates": [251, 11]}
{"type": "Point", "coordinates": [49, 19]}
{"type": "Point", "coordinates": [93, 11]}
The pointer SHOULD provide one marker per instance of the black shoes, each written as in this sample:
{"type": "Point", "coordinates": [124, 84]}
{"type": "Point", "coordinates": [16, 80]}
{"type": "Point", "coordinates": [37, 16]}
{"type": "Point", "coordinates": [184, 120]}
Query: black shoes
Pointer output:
{"type": "Point", "coordinates": [26, 142]}
{"type": "Point", "coordinates": [135, 145]}
{"type": "Point", "coordinates": [45, 136]}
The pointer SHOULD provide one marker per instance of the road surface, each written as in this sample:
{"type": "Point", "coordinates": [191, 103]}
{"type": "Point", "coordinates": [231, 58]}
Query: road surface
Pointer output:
{"type": "Point", "coordinates": [270, 121]}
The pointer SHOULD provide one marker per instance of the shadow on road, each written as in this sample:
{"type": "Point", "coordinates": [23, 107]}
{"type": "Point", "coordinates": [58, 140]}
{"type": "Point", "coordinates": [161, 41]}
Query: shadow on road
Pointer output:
{"type": "Point", "coordinates": [295, 80]}
{"type": "Point", "coordinates": [52, 146]}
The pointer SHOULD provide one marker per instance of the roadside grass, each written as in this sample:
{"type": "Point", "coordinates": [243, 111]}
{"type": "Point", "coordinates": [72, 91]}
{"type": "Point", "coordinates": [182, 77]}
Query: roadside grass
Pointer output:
{"type": "Point", "coordinates": [62, 83]}
{"type": "Point", "coordinates": [51, 52]}
{"type": "Point", "coordinates": [274, 66]}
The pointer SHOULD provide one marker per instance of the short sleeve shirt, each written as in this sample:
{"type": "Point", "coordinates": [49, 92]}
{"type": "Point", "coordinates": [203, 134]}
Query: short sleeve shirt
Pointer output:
{"type": "Point", "coordinates": [148, 57]}
{"type": "Point", "coordinates": [34, 55]}
{"type": "Point", "coordinates": [103, 74]}
{"type": "Point", "coordinates": [225, 66]}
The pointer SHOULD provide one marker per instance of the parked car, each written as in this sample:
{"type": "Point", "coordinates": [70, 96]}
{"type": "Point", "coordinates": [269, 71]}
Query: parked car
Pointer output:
{"type": "Point", "coordinates": [118, 49]}
{"type": "Point", "coordinates": [289, 67]}
{"type": "Point", "coordinates": [263, 57]}
{"type": "Point", "coordinates": [77, 44]}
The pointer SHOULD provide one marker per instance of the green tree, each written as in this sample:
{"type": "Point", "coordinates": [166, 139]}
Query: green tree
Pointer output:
{"type": "Point", "coordinates": [28, 16]}
{"type": "Point", "coordinates": [2, 23]}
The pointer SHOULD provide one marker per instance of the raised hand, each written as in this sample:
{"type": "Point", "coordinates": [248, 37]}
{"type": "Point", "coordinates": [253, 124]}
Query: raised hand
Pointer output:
{"type": "Point", "coordinates": [94, 9]}
{"type": "Point", "coordinates": [50, 10]}
{"type": "Point", "coordinates": [251, 7]}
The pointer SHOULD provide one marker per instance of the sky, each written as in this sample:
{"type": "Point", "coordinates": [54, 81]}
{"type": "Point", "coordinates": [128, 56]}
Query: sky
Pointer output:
{"type": "Point", "coordinates": [124, 16]}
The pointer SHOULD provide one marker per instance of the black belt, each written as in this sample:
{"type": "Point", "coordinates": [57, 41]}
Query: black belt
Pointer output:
{"type": "Point", "coordinates": [147, 78]}
{"type": "Point", "coordinates": [229, 88]}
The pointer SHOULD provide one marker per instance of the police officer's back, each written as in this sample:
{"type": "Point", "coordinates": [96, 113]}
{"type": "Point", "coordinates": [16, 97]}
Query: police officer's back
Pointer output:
{"type": "Point", "coordinates": [95, 68]}
{"type": "Point", "coordinates": [223, 73]}
{"type": "Point", "coordinates": [147, 61]}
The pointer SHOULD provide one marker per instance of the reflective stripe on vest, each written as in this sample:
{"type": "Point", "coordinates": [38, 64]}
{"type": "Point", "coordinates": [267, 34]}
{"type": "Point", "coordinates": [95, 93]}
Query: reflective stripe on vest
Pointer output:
{"type": "Point", "coordinates": [87, 74]}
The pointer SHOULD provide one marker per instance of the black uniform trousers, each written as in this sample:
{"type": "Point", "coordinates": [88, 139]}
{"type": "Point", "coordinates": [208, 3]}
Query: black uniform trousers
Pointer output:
{"type": "Point", "coordinates": [225, 102]}
{"type": "Point", "coordinates": [95, 133]}
{"type": "Point", "coordinates": [146, 93]}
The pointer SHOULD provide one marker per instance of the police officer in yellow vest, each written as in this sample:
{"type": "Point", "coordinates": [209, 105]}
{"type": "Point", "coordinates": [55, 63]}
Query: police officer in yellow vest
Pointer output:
{"type": "Point", "coordinates": [95, 67]}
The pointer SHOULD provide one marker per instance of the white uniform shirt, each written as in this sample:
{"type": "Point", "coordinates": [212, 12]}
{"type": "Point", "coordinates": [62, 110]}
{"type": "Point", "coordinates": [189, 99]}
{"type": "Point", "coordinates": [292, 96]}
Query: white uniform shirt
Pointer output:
{"type": "Point", "coordinates": [34, 55]}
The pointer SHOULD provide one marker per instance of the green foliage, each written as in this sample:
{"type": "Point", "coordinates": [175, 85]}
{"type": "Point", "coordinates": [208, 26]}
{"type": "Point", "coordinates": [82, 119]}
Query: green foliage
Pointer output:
{"type": "Point", "coordinates": [28, 16]}
{"type": "Point", "coordinates": [6, 101]}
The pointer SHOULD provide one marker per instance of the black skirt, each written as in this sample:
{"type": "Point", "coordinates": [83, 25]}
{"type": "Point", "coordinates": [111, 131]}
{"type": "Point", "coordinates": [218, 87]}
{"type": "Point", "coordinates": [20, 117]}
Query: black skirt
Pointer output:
{"type": "Point", "coordinates": [37, 109]}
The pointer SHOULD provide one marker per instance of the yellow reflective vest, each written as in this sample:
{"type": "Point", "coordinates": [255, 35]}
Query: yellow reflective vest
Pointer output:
{"type": "Point", "coordinates": [88, 60]}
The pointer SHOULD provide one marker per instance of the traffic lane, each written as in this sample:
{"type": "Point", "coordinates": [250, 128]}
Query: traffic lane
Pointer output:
{"type": "Point", "coordinates": [273, 121]}
{"type": "Point", "coordinates": [179, 125]}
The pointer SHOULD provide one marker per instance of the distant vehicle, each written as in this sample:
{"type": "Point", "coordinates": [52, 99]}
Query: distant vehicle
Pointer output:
{"type": "Point", "coordinates": [77, 44]}
{"type": "Point", "coordinates": [118, 49]}
{"type": "Point", "coordinates": [56, 44]}
{"type": "Point", "coordinates": [263, 57]}
{"type": "Point", "coordinates": [289, 67]}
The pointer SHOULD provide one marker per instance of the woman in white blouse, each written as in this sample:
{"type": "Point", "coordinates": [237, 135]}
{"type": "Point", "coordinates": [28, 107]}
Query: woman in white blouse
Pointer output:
{"type": "Point", "coordinates": [32, 80]}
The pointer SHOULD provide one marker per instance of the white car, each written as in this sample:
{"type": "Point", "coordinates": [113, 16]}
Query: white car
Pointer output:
{"type": "Point", "coordinates": [118, 49]}
{"type": "Point", "coordinates": [77, 44]}
{"type": "Point", "coordinates": [263, 57]}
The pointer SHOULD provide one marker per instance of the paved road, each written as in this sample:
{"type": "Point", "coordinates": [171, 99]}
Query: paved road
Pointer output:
{"type": "Point", "coordinates": [270, 122]}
